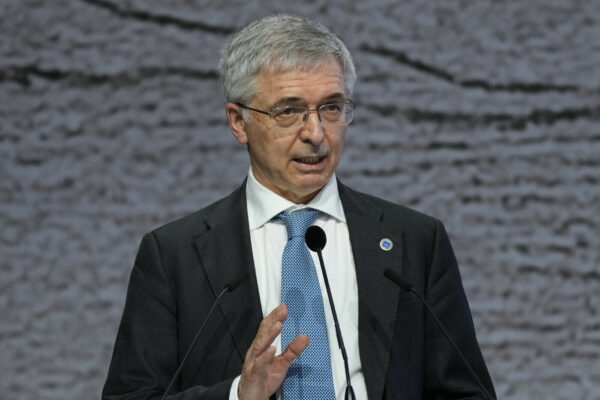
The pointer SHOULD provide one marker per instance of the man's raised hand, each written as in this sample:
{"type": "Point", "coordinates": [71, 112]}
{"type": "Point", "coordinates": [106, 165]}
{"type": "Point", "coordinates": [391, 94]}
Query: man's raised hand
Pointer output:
{"type": "Point", "coordinates": [263, 372]}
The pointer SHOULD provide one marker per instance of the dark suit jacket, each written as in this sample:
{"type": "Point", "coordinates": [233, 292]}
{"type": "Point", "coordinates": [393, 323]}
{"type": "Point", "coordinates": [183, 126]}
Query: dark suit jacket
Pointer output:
{"type": "Point", "coordinates": [182, 266]}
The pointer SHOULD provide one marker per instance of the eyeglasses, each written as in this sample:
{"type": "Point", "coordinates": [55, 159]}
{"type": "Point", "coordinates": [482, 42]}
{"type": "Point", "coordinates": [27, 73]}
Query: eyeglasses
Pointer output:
{"type": "Point", "coordinates": [330, 115]}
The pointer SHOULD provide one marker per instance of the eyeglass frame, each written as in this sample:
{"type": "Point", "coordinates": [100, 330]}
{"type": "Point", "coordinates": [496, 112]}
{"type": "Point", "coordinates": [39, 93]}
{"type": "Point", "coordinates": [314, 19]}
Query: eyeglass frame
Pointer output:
{"type": "Point", "coordinates": [308, 111]}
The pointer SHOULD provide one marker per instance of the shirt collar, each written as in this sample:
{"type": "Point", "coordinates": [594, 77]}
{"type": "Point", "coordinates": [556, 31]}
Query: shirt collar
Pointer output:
{"type": "Point", "coordinates": [263, 204]}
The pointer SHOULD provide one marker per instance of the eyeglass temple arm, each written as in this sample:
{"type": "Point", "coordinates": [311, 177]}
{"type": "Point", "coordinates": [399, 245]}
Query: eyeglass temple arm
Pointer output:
{"type": "Point", "coordinates": [253, 109]}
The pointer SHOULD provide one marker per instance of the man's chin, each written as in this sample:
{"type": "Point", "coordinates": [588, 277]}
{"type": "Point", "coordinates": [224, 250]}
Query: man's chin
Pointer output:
{"type": "Point", "coordinates": [309, 187]}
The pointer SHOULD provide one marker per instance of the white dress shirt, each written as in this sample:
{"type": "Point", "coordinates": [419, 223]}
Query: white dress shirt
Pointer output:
{"type": "Point", "coordinates": [268, 240]}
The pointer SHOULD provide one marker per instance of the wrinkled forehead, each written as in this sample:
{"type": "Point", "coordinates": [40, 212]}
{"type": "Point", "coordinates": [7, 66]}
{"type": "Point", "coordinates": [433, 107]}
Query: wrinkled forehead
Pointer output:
{"type": "Point", "coordinates": [280, 66]}
{"type": "Point", "coordinates": [306, 64]}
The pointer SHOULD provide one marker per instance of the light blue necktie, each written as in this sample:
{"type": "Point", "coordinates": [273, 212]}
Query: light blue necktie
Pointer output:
{"type": "Point", "coordinates": [309, 376]}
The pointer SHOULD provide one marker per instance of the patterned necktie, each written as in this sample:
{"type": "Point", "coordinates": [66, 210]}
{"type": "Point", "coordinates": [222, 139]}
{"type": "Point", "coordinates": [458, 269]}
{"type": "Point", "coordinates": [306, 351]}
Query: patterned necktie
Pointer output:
{"type": "Point", "coordinates": [309, 376]}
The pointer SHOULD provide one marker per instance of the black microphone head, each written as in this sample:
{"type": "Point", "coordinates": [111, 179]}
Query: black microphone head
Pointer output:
{"type": "Point", "coordinates": [315, 238]}
{"type": "Point", "coordinates": [235, 282]}
{"type": "Point", "coordinates": [397, 279]}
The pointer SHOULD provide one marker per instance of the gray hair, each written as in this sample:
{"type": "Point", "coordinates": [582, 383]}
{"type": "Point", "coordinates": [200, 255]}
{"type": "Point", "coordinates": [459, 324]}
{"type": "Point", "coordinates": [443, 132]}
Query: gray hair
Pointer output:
{"type": "Point", "coordinates": [283, 42]}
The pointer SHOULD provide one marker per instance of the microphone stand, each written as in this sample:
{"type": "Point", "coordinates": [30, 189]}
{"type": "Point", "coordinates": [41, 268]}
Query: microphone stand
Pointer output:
{"type": "Point", "coordinates": [315, 240]}
{"type": "Point", "coordinates": [349, 395]}
{"type": "Point", "coordinates": [407, 287]}
{"type": "Point", "coordinates": [233, 284]}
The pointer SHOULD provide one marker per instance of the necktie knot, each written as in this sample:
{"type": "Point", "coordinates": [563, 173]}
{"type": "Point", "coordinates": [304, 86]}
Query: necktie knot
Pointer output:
{"type": "Point", "coordinates": [298, 222]}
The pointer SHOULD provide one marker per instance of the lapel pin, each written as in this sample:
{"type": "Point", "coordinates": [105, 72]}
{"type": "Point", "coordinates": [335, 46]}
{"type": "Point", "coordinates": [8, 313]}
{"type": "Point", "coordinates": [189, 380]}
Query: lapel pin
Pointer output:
{"type": "Point", "coordinates": [386, 244]}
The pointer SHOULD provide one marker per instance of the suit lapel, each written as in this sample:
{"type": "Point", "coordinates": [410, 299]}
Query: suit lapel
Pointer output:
{"type": "Point", "coordinates": [225, 253]}
{"type": "Point", "coordinates": [377, 296]}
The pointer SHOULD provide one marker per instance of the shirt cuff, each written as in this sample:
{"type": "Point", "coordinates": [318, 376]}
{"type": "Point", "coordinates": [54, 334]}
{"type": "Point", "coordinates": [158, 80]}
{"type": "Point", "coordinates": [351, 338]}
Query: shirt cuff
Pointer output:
{"type": "Point", "coordinates": [234, 389]}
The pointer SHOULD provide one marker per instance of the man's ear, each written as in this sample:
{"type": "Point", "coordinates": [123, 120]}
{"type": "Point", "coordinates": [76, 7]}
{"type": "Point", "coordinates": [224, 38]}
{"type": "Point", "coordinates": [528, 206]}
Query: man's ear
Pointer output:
{"type": "Point", "coordinates": [236, 122]}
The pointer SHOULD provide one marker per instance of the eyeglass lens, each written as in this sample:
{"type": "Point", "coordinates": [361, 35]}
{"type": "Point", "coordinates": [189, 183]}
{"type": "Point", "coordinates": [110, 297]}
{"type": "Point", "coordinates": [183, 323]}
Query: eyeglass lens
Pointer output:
{"type": "Point", "coordinates": [334, 114]}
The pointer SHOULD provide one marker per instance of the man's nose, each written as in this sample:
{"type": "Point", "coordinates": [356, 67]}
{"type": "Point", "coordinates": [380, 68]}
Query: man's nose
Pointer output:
{"type": "Point", "coordinates": [312, 131]}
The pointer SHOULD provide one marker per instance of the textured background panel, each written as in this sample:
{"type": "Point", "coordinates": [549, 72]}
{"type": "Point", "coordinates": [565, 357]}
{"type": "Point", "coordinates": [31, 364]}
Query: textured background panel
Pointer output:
{"type": "Point", "coordinates": [484, 114]}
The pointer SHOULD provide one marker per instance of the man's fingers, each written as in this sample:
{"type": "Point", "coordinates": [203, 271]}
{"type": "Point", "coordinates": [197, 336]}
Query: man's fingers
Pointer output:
{"type": "Point", "coordinates": [255, 380]}
{"type": "Point", "coordinates": [295, 348]}
{"type": "Point", "coordinates": [268, 330]}
{"type": "Point", "coordinates": [265, 359]}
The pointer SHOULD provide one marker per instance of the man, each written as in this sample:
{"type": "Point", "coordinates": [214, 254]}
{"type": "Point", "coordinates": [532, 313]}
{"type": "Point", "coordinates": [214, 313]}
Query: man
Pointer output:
{"type": "Point", "coordinates": [288, 83]}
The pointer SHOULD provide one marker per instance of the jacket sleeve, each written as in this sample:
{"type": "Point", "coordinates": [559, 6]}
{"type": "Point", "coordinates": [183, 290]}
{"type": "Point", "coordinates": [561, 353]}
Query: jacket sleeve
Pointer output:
{"type": "Point", "coordinates": [446, 375]}
{"type": "Point", "coordinates": [146, 352]}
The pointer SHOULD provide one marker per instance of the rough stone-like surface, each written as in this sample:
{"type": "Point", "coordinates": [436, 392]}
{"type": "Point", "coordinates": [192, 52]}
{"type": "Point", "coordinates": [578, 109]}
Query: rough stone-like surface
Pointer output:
{"type": "Point", "coordinates": [485, 114]}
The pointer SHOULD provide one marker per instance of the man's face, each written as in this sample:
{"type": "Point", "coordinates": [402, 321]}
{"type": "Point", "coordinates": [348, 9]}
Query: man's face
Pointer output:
{"type": "Point", "coordinates": [295, 162]}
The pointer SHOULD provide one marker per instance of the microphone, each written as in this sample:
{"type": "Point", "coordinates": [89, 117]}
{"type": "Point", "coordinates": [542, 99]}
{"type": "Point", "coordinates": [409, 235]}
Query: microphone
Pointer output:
{"type": "Point", "coordinates": [315, 240]}
{"type": "Point", "coordinates": [407, 287]}
{"type": "Point", "coordinates": [229, 287]}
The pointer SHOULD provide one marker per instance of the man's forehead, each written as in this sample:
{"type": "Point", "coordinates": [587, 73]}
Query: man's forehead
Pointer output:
{"type": "Point", "coordinates": [282, 69]}
{"type": "Point", "coordinates": [325, 81]}
{"type": "Point", "coordinates": [280, 64]}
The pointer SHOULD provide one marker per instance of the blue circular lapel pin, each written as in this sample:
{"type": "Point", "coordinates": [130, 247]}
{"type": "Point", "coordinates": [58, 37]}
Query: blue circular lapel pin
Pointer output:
{"type": "Point", "coordinates": [386, 244]}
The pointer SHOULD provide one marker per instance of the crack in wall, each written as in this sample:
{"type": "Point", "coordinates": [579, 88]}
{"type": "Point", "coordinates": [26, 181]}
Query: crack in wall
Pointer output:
{"type": "Point", "coordinates": [514, 121]}
{"type": "Point", "coordinates": [160, 19]}
{"type": "Point", "coordinates": [524, 87]}
{"type": "Point", "coordinates": [23, 75]}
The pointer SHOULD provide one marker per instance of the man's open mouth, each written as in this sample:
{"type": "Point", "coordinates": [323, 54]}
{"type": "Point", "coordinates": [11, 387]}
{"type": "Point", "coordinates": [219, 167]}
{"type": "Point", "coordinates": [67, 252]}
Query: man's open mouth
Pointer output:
{"type": "Point", "coordinates": [309, 160]}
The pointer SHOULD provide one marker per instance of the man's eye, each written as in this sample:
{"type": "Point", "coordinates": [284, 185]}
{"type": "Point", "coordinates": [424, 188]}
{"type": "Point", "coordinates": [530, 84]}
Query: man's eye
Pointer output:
{"type": "Point", "coordinates": [334, 107]}
{"type": "Point", "coordinates": [286, 111]}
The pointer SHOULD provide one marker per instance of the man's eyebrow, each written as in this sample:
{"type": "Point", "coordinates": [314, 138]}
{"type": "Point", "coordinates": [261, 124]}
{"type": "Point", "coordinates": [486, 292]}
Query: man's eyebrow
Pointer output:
{"type": "Point", "coordinates": [288, 100]}
{"type": "Point", "coordinates": [336, 96]}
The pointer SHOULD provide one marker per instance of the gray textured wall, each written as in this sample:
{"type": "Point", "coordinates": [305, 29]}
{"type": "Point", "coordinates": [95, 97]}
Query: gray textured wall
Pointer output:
{"type": "Point", "coordinates": [485, 114]}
